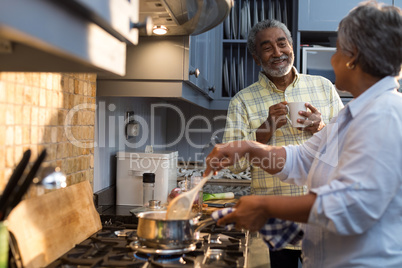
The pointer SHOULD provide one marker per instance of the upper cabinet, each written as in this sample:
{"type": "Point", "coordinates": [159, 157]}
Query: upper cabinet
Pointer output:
{"type": "Point", "coordinates": [325, 15]}
{"type": "Point", "coordinates": [116, 16]}
{"type": "Point", "coordinates": [67, 35]}
{"type": "Point", "coordinates": [168, 67]}
{"type": "Point", "coordinates": [205, 49]}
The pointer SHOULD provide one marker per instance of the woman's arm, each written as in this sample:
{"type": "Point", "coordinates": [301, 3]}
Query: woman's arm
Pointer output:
{"type": "Point", "coordinates": [269, 158]}
{"type": "Point", "coordinates": [252, 212]}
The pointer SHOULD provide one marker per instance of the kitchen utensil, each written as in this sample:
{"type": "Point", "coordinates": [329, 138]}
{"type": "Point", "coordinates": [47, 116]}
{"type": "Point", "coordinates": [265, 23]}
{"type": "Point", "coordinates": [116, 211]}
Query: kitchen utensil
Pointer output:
{"type": "Point", "coordinates": [180, 206]}
{"type": "Point", "coordinates": [12, 183]}
{"type": "Point", "coordinates": [225, 205]}
{"type": "Point", "coordinates": [294, 108]}
{"type": "Point", "coordinates": [19, 193]}
{"type": "Point", "coordinates": [129, 175]}
{"type": "Point", "coordinates": [155, 231]}
{"type": "Point", "coordinates": [47, 226]}
{"type": "Point", "coordinates": [52, 178]}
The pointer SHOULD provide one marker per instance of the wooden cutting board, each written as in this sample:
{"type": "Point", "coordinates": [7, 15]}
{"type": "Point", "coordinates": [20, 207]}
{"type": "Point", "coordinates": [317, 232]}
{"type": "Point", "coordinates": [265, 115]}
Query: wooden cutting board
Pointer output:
{"type": "Point", "coordinates": [47, 226]}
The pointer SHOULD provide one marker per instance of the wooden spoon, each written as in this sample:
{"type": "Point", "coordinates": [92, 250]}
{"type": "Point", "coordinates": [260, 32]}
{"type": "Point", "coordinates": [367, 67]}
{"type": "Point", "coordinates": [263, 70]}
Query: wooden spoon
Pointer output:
{"type": "Point", "coordinates": [180, 207]}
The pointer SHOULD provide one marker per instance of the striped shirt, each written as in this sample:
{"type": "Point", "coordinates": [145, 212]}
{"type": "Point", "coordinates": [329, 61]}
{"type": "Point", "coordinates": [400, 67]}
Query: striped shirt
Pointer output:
{"type": "Point", "coordinates": [250, 108]}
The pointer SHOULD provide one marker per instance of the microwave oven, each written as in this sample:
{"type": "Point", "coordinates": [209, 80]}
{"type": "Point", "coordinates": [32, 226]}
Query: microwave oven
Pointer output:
{"type": "Point", "coordinates": [316, 60]}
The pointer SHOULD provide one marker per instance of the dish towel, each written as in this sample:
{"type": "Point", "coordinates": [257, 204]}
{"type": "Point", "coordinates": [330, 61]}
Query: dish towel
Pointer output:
{"type": "Point", "coordinates": [276, 233]}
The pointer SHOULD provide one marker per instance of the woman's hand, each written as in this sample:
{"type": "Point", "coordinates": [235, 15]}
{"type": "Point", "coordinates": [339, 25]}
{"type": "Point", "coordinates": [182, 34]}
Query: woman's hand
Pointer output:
{"type": "Point", "coordinates": [250, 213]}
{"type": "Point", "coordinates": [226, 154]}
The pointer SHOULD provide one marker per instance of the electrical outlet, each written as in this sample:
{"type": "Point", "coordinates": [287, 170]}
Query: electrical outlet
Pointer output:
{"type": "Point", "coordinates": [136, 129]}
{"type": "Point", "coordinates": [132, 129]}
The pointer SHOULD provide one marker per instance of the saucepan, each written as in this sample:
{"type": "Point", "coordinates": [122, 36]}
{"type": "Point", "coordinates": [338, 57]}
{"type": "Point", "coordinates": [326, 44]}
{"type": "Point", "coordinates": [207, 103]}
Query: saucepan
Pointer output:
{"type": "Point", "coordinates": [155, 231]}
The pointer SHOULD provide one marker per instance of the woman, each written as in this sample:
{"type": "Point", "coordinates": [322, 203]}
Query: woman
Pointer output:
{"type": "Point", "coordinates": [352, 167]}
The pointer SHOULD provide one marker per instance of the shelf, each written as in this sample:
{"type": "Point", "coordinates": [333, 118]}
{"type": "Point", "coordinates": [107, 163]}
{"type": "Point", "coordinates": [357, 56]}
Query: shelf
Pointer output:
{"type": "Point", "coordinates": [239, 69]}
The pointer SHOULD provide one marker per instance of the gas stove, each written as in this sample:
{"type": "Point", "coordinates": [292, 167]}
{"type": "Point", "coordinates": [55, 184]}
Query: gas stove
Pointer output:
{"type": "Point", "coordinates": [117, 245]}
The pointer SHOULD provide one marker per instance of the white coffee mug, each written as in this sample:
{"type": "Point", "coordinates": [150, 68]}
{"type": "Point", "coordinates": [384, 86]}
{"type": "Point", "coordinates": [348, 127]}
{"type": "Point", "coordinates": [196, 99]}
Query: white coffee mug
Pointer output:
{"type": "Point", "coordinates": [293, 109]}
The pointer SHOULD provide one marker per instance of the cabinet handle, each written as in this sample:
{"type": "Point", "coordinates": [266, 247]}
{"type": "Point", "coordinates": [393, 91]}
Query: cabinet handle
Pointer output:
{"type": "Point", "coordinates": [212, 89]}
{"type": "Point", "coordinates": [196, 72]}
{"type": "Point", "coordinates": [147, 25]}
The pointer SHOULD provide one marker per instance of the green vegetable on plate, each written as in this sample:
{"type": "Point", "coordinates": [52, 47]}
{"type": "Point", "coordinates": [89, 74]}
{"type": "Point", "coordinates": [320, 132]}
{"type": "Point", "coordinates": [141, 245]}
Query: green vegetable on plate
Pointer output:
{"type": "Point", "coordinates": [206, 196]}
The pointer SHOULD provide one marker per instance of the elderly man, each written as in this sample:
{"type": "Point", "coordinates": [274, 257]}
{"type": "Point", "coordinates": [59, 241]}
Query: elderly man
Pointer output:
{"type": "Point", "coordinates": [259, 112]}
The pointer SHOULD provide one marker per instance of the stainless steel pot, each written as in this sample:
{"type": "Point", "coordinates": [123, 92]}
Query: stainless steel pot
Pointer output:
{"type": "Point", "coordinates": [155, 231]}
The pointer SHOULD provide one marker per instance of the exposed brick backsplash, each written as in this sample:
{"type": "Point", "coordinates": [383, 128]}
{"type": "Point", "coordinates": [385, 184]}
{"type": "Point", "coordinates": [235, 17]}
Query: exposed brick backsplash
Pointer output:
{"type": "Point", "coordinates": [33, 112]}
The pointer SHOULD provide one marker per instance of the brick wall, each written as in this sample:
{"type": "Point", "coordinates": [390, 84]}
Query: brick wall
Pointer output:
{"type": "Point", "coordinates": [33, 112]}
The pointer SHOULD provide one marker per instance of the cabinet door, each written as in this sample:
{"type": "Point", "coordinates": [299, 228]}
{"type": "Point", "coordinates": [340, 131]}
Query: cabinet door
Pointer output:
{"type": "Point", "coordinates": [325, 15]}
{"type": "Point", "coordinates": [156, 58]}
{"type": "Point", "coordinates": [204, 55]}
{"type": "Point", "coordinates": [115, 14]}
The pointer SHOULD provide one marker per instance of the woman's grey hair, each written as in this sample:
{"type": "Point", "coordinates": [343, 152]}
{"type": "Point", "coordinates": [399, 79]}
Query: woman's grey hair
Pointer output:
{"type": "Point", "coordinates": [375, 32]}
{"type": "Point", "coordinates": [262, 25]}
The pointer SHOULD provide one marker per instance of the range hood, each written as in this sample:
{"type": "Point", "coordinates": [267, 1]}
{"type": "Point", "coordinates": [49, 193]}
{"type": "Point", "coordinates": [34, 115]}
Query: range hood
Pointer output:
{"type": "Point", "coordinates": [185, 17]}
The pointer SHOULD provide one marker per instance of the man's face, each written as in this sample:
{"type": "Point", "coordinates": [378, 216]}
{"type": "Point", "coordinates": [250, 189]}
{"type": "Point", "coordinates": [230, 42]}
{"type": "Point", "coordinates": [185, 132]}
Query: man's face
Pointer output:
{"type": "Point", "coordinates": [274, 52]}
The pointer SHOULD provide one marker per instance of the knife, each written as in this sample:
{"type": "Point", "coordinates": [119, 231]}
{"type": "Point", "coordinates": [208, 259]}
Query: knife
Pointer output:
{"type": "Point", "coordinates": [18, 193]}
{"type": "Point", "coordinates": [13, 183]}
{"type": "Point", "coordinates": [226, 205]}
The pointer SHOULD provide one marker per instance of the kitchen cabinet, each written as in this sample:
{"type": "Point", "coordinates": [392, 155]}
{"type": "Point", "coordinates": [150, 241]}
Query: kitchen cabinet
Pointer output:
{"type": "Point", "coordinates": [66, 36]}
{"type": "Point", "coordinates": [166, 67]}
{"type": "Point", "coordinates": [116, 16]}
{"type": "Point", "coordinates": [325, 15]}
{"type": "Point", "coordinates": [204, 50]}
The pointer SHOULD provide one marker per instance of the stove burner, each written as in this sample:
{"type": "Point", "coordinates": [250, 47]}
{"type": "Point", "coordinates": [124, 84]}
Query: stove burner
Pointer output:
{"type": "Point", "coordinates": [142, 256]}
{"type": "Point", "coordinates": [125, 233]}
{"type": "Point", "coordinates": [168, 261]}
{"type": "Point", "coordinates": [136, 246]}
{"type": "Point", "coordinates": [215, 239]}
{"type": "Point", "coordinates": [166, 258]}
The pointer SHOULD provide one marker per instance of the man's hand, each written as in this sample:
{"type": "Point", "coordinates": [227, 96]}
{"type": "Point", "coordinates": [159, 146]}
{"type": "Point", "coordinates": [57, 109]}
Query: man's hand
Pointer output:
{"type": "Point", "coordinates": [277, 114]}
{"type": "Point", "coordinates": [313, 119]}
{"type": "Point", "coordinates": [276, 119]}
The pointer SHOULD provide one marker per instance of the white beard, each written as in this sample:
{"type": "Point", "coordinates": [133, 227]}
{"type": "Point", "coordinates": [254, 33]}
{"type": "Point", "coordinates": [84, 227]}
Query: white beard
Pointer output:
{"type": "Point", "coordinates": [278, 72]}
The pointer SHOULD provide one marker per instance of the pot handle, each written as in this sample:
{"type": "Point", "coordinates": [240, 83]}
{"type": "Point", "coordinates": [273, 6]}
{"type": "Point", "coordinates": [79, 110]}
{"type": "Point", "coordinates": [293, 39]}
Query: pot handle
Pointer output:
{"type": "Point", "coordinates": [204, 223]}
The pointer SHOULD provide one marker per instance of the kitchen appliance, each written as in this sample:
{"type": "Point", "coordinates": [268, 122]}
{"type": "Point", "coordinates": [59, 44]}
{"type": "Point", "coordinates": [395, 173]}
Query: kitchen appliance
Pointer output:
{"type": "Point", "coordinates": [185, 17]}
{"type": "Point", "coordinates": [115, 246]}
{"type": "Point", "coordinates": [156, 232]}
{"type": "Point", "coordinates": [316, 60]}
{"type": "Point", "coordinates": [45, 227]}
{"type": "Point", "coordinates": [132, 165]}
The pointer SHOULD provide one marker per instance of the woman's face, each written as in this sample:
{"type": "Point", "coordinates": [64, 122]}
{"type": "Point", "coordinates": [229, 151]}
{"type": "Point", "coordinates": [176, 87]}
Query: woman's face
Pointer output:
{"type": "Point", "coordinates": [342, 73]}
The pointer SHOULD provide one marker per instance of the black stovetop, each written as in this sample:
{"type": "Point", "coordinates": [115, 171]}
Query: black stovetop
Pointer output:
{"type": "Point", "coordinates": [113, 247]}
